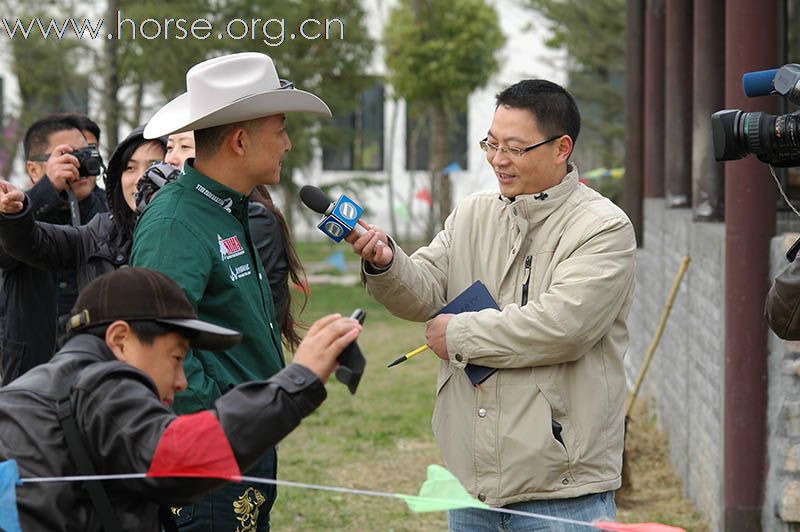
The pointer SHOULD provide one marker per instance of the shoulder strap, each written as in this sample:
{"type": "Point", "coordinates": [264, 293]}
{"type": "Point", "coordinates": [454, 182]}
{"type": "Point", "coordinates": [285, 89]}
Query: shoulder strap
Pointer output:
{"type": "Point", "coordinates": [77, 450]}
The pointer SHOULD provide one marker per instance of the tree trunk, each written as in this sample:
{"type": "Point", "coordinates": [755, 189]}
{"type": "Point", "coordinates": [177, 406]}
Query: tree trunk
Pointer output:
{"type": "Point", "coordinates": [111, 79]}
{"type": "Point", "coordinates": [138, 98]}
{"type": "Point", "coordinates": [439, 160]}
{"type": "Point", "coordinates": [390, 170]}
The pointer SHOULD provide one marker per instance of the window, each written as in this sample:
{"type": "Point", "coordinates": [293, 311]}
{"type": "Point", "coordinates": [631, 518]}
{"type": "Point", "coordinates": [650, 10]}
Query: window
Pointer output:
{"type": "Point", "coordinates": [358, 143]}
{"type": "Point", "coordinates": [418, 139]}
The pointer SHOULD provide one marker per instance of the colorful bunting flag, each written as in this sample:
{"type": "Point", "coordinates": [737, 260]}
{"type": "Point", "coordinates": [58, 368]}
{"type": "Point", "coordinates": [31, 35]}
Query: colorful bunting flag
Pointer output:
{"type": "Point", "coordinates": [195, 445]}
{"type": "Point", "coordinates": [441, 491]}
{"type": "Point", "coordinates": [452, 168]}
{"type": "Point", "coordinates": [302, 286]}
{"type": "Point", "coordinates": [636, 527]}
{"type": "Point", "coordinates": [337, 260]}
{"type": "Point", "coordinates": [424, 194]}
{"type": "Point", "coordinates": [9, 479]}
{"type": "Point", "coordinates": [401, 210]}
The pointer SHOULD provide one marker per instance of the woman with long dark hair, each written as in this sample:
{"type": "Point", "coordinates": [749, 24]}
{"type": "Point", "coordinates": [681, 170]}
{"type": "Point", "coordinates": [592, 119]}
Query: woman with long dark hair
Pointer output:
{"type": "Point", "coordinates": [104, 243]}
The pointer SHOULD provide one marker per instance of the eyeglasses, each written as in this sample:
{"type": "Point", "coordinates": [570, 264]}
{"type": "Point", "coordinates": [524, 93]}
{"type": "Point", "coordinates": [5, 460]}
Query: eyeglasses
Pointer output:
{"type": "Point", "coordinates": [516, 152]}
{"type": "Point", "coordinates": [286, 84]}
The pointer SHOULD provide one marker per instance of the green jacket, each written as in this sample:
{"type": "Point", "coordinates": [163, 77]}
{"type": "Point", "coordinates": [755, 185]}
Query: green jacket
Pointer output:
{"type": "Point", "coordinates": [196, 231]}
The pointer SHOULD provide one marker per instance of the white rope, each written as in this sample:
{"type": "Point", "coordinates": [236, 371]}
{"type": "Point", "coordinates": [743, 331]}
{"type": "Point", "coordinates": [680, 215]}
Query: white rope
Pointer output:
{"type": "Point", "coordinates": [303, 485]}
{"type": "Point", "coordinates": [780, 188]}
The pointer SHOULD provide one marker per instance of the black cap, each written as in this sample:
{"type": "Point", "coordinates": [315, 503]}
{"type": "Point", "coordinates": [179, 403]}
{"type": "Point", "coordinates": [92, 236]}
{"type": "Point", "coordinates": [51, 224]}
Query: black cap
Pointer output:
{"type": "Point", "coordinates": [132, 294]}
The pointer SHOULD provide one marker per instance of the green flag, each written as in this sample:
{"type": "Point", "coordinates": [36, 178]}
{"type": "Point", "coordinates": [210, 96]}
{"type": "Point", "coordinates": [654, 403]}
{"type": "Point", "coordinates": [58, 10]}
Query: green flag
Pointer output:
{"type": "Point", "coordinates": [441, 491]}
{"type": "Point", "coordinates": [401, 210]}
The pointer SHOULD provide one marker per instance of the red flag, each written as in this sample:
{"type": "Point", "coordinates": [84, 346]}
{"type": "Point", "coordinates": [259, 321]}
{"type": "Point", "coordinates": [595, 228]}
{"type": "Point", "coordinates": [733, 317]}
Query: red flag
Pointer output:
{"type": "Point", "coordinates": [303, 286]}
{"type": "Point", "coordinates": [636, 527]}
{"type": "Point", "coordinates": [195, 446]}
{"type": "Point", "coordinates": [425, 195]}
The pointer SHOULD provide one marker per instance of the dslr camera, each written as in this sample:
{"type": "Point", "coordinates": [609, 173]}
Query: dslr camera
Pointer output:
{"type": "Point", "coordinates": [91, 162]}
{"type": "Point", "coordinates": [775, 140]}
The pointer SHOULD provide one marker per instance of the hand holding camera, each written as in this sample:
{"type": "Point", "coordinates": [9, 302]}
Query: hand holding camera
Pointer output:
{"type": "Point", "coordinates": [66, 165]}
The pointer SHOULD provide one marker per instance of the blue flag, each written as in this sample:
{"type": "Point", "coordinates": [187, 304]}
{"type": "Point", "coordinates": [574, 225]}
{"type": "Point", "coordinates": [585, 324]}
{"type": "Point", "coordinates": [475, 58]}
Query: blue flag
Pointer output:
{"type": "Point", "coordinates": [337, 260]}
{"type": "Point", "coordinates": [9, 478]}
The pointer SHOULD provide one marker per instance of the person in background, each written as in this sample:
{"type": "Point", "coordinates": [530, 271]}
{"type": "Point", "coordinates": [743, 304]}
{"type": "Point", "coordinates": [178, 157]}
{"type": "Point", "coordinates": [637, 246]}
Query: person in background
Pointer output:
{"type": "Point", "coordinates": [271, 237]}
{"type": "Point", "coordinates": [66, 279]}
{"type": "Point", "coordinates": [33, 299]}
{"type": "Point", "coordinates": [102, 245]}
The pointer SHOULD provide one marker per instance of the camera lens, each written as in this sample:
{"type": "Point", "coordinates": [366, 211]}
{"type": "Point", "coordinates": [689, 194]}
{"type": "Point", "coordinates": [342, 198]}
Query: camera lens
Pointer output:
{"type": "Point", "coordinates": [92, 166]}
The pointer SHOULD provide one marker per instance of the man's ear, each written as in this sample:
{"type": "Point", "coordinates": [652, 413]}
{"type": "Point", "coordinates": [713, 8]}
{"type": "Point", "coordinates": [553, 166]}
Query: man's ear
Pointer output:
{"type": "Point", "coordinates": [117, 337]}
{"type": "Point", "coordinates": [34, 171]}
{"type": "Point", "coordinates": [237, 141]}
{"type": "Point", "coordinates": [565, 146]}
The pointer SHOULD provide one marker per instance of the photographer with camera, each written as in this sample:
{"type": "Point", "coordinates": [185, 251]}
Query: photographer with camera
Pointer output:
{"type": "Point", "coordinates": [31, 295]}
{"type": "Point", "coordinates": [775, 140]}
{"type": "Point", "coordinates": [104, 243]}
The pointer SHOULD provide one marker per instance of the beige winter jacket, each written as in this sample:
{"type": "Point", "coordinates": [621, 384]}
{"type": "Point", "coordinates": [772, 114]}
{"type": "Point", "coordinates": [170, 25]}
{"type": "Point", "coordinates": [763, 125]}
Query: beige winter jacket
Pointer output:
{"type": "Point", "coordinates": [561, 355]}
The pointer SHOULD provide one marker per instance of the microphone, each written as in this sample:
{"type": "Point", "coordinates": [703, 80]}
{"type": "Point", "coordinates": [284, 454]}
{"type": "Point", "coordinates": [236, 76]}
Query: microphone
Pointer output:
{"type": "Point", "coordinates": [316, 200]}
{"type": "Point", "coordinates": [759, 83]}
{"type": "Point", "coordinates": [784, 81]}
{"type": "Point", "coordinates": [338, 218]}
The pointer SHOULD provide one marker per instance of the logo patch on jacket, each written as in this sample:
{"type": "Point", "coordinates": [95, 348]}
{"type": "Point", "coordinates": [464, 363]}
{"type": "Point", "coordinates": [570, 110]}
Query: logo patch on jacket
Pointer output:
{"type": "Point", "coordinates": [240, 271]}
{"type": "Point", "coordinates": [230, 248]}
{"type": "Point", "coordinates": [226, 203]}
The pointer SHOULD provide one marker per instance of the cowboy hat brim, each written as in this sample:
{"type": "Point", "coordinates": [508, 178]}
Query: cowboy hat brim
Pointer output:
{"type": "Point", "coordinates": [176, 116]}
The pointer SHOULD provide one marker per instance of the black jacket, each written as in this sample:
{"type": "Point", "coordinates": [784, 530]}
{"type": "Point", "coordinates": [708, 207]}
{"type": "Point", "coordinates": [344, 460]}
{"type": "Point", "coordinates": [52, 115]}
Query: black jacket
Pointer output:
{"type": "Point", "coordinates": [121, 421]}
{"type": "Point", "coordinates": [92, 249]}
{"type": "Point", "coordinates": [32, 298]}
{"type": "Point", "coordinates": [271, 246]}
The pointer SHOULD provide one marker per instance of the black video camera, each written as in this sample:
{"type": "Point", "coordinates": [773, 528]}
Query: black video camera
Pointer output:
{"type": "Point", "coordinates": [775, 140]}
{"type": "Point", "coordinates": [90, 160]}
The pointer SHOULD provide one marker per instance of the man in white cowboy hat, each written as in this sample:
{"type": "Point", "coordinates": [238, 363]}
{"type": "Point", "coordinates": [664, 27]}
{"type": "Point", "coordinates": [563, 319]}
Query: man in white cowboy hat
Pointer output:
{"type": "Point", "coordinates": [196, 231]}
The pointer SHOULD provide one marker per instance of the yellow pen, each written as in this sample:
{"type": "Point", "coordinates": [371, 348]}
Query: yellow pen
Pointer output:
{"type": "Point", "coordinates": [410, 355]}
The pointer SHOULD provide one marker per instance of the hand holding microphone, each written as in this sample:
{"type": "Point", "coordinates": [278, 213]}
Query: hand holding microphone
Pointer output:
{"type": "Point", "coordinates": [340, 222]}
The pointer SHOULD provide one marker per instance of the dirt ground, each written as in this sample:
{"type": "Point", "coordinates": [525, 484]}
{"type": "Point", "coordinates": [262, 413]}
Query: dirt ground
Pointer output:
{"type": "Point", "coordinates": [652, 491]}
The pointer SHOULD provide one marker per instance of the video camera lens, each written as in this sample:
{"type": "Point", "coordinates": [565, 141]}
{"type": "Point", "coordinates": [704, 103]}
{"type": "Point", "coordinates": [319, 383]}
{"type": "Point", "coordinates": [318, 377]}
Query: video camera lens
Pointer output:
{"type": "Point", "coordinates": [773, 139]}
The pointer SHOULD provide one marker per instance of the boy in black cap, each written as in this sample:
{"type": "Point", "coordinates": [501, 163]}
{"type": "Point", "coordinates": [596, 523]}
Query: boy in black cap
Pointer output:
{"type": "Point", "coordinates": [101, 407]}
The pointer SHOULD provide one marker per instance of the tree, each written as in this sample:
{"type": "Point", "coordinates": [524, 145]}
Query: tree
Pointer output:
{"type": "Point", "coordinates": [593, 36]}
{"type": "Point", "coordinates": [437, 53]}
{"type": "Point", "coordinates": [47, 72]}
{"type": "Point", "coordinates": [147, 56]}
{"type": "Point", "coordinates": [141, 62]}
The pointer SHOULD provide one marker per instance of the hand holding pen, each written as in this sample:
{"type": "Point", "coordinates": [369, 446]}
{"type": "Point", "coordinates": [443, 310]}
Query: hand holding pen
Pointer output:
{"type": "Point", "coordinates": [436, 334]}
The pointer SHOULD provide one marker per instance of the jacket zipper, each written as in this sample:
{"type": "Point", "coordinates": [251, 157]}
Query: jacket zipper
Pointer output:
{"type": "Point", "coordinates": [528, 260]}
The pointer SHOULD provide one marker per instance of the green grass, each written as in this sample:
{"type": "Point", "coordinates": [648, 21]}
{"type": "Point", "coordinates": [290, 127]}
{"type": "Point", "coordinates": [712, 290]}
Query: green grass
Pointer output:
{"type": "Point", "coordinates": [379, 439]}
{"type": "Point", "coordinates": [319, 251]}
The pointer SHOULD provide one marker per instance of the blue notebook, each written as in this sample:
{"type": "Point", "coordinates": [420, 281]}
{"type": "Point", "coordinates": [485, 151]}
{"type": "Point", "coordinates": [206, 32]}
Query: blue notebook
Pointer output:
{"type": "Point", "coordinates": [476, 297]}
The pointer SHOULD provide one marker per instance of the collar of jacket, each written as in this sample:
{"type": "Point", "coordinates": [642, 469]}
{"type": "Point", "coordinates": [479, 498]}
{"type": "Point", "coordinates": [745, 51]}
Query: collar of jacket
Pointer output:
{"type": "Point", "coordinates": [530, 209]}
{"type": "Point", "coordinates": [225, 198]}
{"type": "Point", "coordinates": [89, 344]}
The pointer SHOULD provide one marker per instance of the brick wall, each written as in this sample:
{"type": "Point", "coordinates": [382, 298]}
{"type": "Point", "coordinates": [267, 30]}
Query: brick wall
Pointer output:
{"type": "Point", "coordinates": [686, 376]}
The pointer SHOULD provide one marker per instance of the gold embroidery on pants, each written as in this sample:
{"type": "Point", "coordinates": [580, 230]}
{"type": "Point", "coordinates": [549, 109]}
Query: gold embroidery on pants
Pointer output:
{"type": "Point", "coordinates": [246, 509]}
{"type": "Point", "coordinates": [176, 510]}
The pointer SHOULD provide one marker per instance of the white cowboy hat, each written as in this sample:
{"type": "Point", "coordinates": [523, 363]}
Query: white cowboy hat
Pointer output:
{"type": "Point", "coordinates": [229, 89]}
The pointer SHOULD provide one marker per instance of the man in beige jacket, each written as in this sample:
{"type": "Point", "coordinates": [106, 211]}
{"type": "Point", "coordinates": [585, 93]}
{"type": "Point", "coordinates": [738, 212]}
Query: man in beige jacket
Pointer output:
{"type": "Point", "coordinates": [544, 433]}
